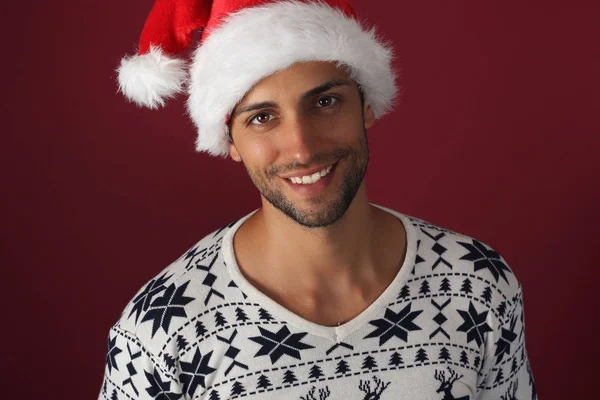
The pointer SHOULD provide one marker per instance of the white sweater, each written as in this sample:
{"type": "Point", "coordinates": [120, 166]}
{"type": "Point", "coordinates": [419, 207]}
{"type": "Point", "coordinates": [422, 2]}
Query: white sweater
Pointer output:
{"type": "Point", "coordinates": [449, 326]}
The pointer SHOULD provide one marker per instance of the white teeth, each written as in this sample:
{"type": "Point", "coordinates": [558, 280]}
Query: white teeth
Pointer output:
{"type": "Point", "coordinates": [309, 179]}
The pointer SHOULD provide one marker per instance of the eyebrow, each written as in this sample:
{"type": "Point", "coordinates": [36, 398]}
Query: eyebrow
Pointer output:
{"type": "Point", "coordinates": [311, 93]}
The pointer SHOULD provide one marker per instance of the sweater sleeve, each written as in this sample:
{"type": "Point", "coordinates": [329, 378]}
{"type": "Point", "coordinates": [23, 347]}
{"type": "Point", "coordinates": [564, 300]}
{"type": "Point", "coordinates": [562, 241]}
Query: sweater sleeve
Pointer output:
{"type": "Point", "coordinates": [133, 372]}
{"type": "Point", "coordinates": [505, 372]}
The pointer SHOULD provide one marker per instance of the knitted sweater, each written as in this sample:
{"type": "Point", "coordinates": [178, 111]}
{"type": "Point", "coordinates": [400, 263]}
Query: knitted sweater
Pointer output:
{"type": "Point", "coordinates": [449, 326]}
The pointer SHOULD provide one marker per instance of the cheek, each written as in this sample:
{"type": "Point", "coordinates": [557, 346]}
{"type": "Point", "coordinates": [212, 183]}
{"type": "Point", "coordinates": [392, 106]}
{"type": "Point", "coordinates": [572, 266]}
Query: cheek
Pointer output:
{"type": "Point", "coordinates": [346, 127]}
{"type": "Point", "coordinates": [258, 153]}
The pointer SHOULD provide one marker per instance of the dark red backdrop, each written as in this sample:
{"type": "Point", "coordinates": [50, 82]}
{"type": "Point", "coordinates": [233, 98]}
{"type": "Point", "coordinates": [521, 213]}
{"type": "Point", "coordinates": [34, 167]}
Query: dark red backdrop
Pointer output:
{"type": "Point", "coordinates": [496, 136]}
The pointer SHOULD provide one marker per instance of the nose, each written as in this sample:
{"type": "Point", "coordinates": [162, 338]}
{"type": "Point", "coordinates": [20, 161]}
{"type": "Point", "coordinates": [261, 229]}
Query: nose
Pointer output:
{"type": "Point", "coordinates": [299, 139]}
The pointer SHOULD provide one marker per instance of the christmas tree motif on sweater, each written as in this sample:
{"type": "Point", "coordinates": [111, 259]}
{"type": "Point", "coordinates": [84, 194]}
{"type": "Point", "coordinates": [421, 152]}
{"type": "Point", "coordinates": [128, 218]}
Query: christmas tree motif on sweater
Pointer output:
{"type": "Point", "coordinates": [511, 393]}
{"type": "Point", "coordinates": [220, 319]}
{"type": "Point", "coordinates": [466, 287]}
{"type": "Point", "coordinates": [421, 356]}
{"type": "Point", "coordinates": [499, 376]}
{"type": "Point", "coordinates": [322, 394]}
{"type": "Point", "coordinates": [264, 315]}
{"type": "Point", "coordinates": [514, 365]}
{"type": "Point", "coordinates": [501, 309]}
{"type": "Point", "coordinates": [237, 388]}
{"type": "Point", "coordinates": [376, 391]}
{"type": "Point", "coordinates": [396, 359]}
{"type": "Point", "coordinates": [289, 376]}
{"type": "Point", "coordinates": [342, 367]}
{"type": "Point", "coordinates": [182, 343]}
{"type": "Point", "coordinates": [315, 372]}
{"type": "Point", "coordinates": [424, 287]}
{"type": "Point", "coordinates": [240, 315]}
{"type": "Point", "coordinates": [444, 354]}
{"type": "Point", "coordinates": [369, 363]}
{"type": "Point", "coordinates": [487, 294]}
{"type": "Point", "coordinates": [464, 358]}
{"type": "Point", "coordinates": [263, 382]}
{"type": "Point", "coordinates": [445, 286]}
{"type": "Point", "coordinates": [404, 292]}
{"type": "Point", "coordinates": [446, 384]}
{"type": "Point", "coordinates": [200, 329]}
{"type": "Point", "coordinates": [170, 362]}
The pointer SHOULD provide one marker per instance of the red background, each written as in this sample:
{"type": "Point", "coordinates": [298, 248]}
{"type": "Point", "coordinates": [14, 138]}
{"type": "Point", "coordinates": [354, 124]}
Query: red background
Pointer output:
{"type": "Point", "coordinates": [496, 136]}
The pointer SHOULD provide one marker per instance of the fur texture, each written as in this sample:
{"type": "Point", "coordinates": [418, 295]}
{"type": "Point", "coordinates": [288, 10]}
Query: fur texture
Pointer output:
{"type": "Point", "coordinates": [150, 78]}
{"type": "Point", "coordinates": [258, 41]}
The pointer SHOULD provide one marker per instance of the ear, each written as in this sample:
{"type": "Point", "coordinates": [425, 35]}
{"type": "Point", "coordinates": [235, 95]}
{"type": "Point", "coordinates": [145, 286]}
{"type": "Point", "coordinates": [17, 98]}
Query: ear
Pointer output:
{"type": "Point", "coordinates": [368, 116]}
{"type": "Point", "coordinates": [235, 156]}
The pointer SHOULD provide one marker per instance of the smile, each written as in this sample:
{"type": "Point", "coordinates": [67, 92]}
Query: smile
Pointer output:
{"type": "Point", "coordinates": [310, 179]}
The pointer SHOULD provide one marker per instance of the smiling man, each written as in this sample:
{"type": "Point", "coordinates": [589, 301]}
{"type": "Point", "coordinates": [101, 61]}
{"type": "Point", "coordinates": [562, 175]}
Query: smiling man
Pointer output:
{"type": "Point", "coordinates": [319, 293]}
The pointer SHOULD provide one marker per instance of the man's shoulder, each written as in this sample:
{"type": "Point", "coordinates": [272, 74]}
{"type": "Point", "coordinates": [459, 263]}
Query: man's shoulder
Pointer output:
{"type": "Point", "coordinates": [442, 253]}
{"type": "Point", "coordinates": [195, 283]}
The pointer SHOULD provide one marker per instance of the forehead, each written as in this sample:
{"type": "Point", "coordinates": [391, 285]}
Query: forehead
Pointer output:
{"type": "Point", "coordinates": [295, 80]}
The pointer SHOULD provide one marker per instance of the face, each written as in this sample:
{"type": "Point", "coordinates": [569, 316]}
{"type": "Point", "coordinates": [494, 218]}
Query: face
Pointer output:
{"type": "Point", "coordinates": [301, 135]}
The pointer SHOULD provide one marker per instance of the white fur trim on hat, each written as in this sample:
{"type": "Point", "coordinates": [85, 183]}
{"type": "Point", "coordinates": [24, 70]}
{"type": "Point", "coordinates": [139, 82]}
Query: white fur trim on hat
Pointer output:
{"type": "Point", "coordinates": [150, 78]}
{"type": "Point", "coordinates": [258, 41]}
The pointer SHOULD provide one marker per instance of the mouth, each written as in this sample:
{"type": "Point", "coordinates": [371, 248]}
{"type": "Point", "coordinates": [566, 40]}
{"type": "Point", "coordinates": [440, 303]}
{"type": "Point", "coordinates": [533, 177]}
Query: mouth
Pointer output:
{"type": "Point", "coordinates": [312, 184]}
{"type": "Point", "coordinates": [311, 178]}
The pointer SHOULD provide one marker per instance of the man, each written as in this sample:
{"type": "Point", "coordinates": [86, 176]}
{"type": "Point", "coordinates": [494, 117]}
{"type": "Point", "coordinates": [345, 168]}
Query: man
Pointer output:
{"type": "Point", "coordinates": [318, 294]}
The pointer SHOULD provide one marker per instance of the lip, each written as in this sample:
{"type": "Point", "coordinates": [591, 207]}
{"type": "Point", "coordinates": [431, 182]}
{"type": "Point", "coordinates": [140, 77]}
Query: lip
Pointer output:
{"type": "Point", "coordinates": [307, 172]}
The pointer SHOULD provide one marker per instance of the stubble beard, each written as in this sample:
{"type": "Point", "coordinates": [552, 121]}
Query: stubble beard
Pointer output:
{"type": "Point", "coordinates": [356, 161]}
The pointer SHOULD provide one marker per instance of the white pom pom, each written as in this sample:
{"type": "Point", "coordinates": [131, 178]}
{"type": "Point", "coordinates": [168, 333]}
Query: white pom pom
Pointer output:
{"type": "Point", "coordinates": [149, 79]}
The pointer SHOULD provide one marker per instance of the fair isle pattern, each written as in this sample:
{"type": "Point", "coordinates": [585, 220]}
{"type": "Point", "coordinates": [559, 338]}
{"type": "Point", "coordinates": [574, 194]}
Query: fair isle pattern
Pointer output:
{"type": "Point", "coordinates": [451, 326]}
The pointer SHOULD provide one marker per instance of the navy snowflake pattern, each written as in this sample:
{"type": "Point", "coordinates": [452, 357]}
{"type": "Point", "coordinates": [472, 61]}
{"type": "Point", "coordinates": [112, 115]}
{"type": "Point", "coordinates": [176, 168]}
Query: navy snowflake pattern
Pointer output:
{"type": "Point", "coordinates": [164, 308]}
{"type": "Point", "coordinates": [485, 258]}
{"type": "Point", "coordinates": [280, 343]}
{"type": "Point", "coordinates": [474, 324]}
{"type": "Point", "coordinates": [395, 324]}
{"type": "Point", "coordinates": [194, 373]}
{"type": "Point", "coordinates": [158, 389]}
{"type": "Point", "coordinates": [141, 303]}
{"type": "Point", "coordinates": [112, 352]}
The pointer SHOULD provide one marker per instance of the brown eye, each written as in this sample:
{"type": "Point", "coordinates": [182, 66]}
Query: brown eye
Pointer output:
{"type": "Point", "coordinates": [261, 118]}
{"type": "Point", "coordinates": [326, 101]}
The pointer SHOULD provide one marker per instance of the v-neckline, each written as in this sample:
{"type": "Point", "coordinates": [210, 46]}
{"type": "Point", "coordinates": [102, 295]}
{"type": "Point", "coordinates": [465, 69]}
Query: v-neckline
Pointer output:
{"type": "Point", "coordinates": [333, 333]}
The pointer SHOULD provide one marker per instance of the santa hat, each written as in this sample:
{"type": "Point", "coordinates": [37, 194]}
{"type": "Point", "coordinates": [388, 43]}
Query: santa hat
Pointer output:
{"type": "Point", "coordinates": [242, 42]}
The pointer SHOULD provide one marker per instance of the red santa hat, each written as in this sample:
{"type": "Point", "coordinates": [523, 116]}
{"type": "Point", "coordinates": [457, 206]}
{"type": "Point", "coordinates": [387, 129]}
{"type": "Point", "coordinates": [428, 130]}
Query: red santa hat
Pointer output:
{"type": "Point", "coordinates": [244, 41]}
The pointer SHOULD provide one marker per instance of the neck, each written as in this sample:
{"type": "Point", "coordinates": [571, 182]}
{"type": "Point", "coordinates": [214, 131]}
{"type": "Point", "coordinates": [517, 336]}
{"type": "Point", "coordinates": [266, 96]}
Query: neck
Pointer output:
{"type": "Point", "coordinates": [315, 261]}
{"type": "Point", "coordinates": [341, 247]}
